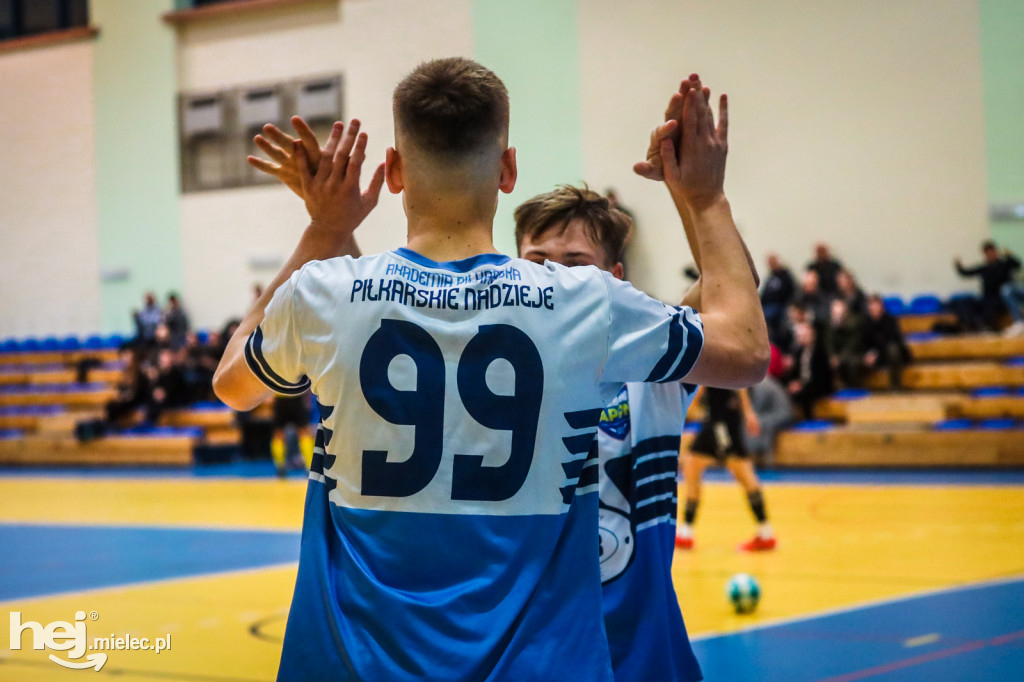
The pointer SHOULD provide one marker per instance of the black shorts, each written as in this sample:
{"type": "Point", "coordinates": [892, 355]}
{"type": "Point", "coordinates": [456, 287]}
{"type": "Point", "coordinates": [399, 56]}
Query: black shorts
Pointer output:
{"type": "Point", "coordinates": [720, 439]}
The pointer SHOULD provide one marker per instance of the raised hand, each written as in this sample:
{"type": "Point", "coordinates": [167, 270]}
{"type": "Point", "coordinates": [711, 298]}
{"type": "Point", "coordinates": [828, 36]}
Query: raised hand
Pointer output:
{"type": "Point", "coordinates": [670, 129]}
{"type": "Point", "coordinates": [279, 146]}
{"type": "Point", "coordinates": [331, 192]}
{"type": "Point", "coordinates": [695, 167]}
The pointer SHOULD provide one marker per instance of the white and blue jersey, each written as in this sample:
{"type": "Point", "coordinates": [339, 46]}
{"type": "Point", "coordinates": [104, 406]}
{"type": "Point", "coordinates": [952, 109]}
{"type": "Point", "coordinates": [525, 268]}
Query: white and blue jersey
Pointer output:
{"type": "Point", "coordinates": [638, 445]}
{"type": "Point", "coordinates": [452, 510]}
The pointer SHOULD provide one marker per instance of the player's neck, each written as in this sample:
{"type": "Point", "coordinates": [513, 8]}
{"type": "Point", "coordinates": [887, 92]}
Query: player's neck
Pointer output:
{"type": "Point", "coordinates": [450, 230]}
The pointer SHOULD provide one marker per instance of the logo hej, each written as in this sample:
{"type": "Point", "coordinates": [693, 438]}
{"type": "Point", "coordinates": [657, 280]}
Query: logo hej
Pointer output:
{"type": "Point", "coordinates": [72, 638]}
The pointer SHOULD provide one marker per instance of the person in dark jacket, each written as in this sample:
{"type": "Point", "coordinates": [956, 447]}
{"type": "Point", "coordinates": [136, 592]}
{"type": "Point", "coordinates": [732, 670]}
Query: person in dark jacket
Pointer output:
{"type": "Point", "coordinates": [845, 344]}
{"type": "Point", "coordinates": [827, 267]}
{"type": "Point", "coordinates": [809, 376]}
{"type": "Point", "coordinates": [995, 271]}
{"type": "Point", "coordinates": [777, 293]}
{"type": "Point", "coordinates": [884, 345]}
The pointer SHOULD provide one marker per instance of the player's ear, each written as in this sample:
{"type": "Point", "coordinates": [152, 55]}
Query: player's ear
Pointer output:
{"type": "Point", "coordinates": [393, 171]}
{"type": "Point", "coordinates": [509, 171]}
{"type": "Point", "coordinates": [617, 271]}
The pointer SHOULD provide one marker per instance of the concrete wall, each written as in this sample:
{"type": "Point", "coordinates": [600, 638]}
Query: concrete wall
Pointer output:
{"type": "Point", "coordinates": [857, 123]}
{"type": "Point", "coordinates": [49, 259]}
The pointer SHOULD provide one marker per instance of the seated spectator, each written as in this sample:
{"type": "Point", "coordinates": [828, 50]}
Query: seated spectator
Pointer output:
{"type": "Point", "coordinates": [146, 321]}
{"type": "Point", "coordinates": [774, 410]}
{"type": "Point", "coordinates": [845, 344]}
{"type": "Point", "coordinates": [851, 292]}
{"type": "Point", "coordinates": [176, 320]}
{"type": "Point", "coordinates": [785, 339]}
{"type": "Point", "coordinates": [169, 387]}
{"type": "Point", "coordinates": [777, 293]}
{"type": "Point", "coordinates": [815, 301]}
{"type": "Point", "coordinates": [995, 272]}
{"type": "Point", "coordinates": [809, 376]}
{"type": "Point", "coordinates": [883, 342]}
{"type": "Point", "coordinates": [827, 269]}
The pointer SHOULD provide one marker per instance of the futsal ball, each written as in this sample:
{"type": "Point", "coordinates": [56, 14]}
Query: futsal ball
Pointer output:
{"type": "Point", "coordinates": [743, 593]}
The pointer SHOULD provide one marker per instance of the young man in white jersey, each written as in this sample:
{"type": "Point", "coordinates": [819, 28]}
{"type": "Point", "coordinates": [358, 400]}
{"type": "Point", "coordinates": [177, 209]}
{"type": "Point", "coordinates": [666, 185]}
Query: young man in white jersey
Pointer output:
{"type": "Point", "coordinates": [450, 523]}
{"type": "Point", "coordinates": [638, 442]}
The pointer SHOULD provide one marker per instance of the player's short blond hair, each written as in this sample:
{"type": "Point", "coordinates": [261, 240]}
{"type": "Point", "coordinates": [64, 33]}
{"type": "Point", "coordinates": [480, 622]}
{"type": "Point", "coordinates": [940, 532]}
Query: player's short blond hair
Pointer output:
{"type": "Point", "coordinates": [604, 224]}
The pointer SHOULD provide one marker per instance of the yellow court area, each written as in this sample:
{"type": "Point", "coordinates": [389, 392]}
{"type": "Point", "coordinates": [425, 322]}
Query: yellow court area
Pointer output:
{"type": "Point", "coordinates": [840, 546]}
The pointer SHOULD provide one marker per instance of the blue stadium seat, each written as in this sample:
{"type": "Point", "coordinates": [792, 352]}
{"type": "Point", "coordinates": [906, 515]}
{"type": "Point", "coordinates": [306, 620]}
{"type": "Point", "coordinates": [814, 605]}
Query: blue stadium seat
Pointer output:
{"type": "Point", "coordinates": [29, 345]}
{"type": "Point", "coordinates": [93, 342]}
{"type": "Point", "coordinates": [960, 296]}
{"type": "Point", "coordinates": [953, 425]}
{"type": "Point", "coordinates": [812, 425]}
{"type": "Point", "coordinates": [50, 343]}
{"type": "Point", "coordinates": [846, 394]}
{"type": "Point", "coordinates": [997, 424]}
{"type": "Point", "coordinates": [923, 336]}
{"type": "Point", "coordinates": [209, 405]}
{"type": "Point", "coordinates": [114, 341]}
{"type": "Point", "coordinates": [70, 343]}
{"type": "Point", "coordinates": [894, 305]}
{"type": "Point", "coordinates": [926, 304]}
{"type": "Point", "coordinates": [11, 434]}
{"type": "Point", "coordinates": [1016, 362]}
{"type": "Point", "coordinates": [9, 346]}
{"type": "Point", "coordinates": [990, 392]}
{"type": "Point", "coordinates": [203, 336]}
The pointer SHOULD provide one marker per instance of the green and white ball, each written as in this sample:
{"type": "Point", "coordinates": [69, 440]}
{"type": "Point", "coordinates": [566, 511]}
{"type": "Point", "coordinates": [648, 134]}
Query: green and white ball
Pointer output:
{"type": "Point", "coordinates": [743, 593]}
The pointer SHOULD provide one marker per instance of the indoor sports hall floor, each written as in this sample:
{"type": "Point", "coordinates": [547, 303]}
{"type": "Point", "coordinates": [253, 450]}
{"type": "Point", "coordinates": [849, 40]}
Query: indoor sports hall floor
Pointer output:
{"type": "Point", "coordinates": [880, 576]}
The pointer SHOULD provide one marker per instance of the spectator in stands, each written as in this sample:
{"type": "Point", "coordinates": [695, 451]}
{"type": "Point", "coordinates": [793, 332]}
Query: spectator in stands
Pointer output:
{"type": "Point", "coordinates": [827, 268]}
{"type": "Point", "coordinates": [809, 376]}
{"type": "Point", "coordinates": [132, 390]}
{"type": "Point", "coordinates": [850, 291]}
{"type": "Point", "coordinates": [815, 301]}
{"type": "Point", "coordinates": [169, 387]}
{"type": "Point", "coordinates": [995, 272]}
{"type": "Point", "coordinates": [774, 410]}
{"type": "Point", "coordinates": [146, 321]}
{"type": "Point", "coordinates": [776, 295]}
{"type": "Point", "coordinates": [785, 339]}
{"type": "Point", "coordinates": [176, 321]}
{"type": "Point", "coordinates": [1013, 297]}
{"type": "Point", "coordinates": [883, 342]}
{"type": "Point", "coordinates": [845, 344]}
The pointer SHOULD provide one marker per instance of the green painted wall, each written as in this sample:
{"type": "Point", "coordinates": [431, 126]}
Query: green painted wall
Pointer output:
{"type": "Point", "coordinates": [533, 46]}
{"type": "Point", "coordinates": [136, 154]}
{"type": "Point", "coordinates": [1002, 53]}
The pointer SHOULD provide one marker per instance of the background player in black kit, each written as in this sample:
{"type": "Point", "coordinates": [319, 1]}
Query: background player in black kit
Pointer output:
{"type": "Point", "coordinates": [721, 438]}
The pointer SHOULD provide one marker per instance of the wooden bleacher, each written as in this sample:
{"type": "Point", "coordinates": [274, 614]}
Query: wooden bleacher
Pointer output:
{"type": "Point", "coordinates": [978, 378]}
{"type": "Point", "coordinates": [41, 401]}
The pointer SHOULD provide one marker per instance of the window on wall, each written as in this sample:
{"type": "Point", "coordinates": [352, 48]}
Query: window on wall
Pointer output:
{"type": "Point", "coordinates": [22, 18]}
{"type": "Point", "coordinates": [216, 128]}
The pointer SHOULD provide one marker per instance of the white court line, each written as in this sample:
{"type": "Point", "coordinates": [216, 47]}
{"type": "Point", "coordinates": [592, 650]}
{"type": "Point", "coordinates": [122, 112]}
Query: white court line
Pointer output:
{"type": "Point", "coordinates": [859, 607]}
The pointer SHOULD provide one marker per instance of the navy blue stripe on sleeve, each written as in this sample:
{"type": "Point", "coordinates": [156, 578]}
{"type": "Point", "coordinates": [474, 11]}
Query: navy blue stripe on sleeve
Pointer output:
{"type": "Point", "coordinates": [271, 379]}
{"type": "Point", "coordinates": [694, 344]}
{"type": "Point", "coordinates": [675, 344]}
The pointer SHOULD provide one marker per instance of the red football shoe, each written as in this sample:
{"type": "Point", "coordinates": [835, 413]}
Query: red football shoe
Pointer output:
{"type": "Point", "coordinates": [756, 544]}
{"type": "Point", "coordinates": [684, 543]}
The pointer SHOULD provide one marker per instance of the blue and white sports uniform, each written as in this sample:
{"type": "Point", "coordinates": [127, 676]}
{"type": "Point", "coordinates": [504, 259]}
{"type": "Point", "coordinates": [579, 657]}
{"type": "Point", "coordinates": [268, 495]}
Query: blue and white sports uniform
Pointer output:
{"type": "Point", "coordinates": [638, 444]}
{"type": "Point", "coordinates": [451, 513]}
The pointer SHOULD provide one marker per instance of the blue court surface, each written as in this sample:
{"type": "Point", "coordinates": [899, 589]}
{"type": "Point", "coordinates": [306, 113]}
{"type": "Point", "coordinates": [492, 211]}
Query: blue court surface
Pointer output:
{"type": "Point", "coordinates": [927, 638]}
{"type": "Point", "coordinates": [43, 560]}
